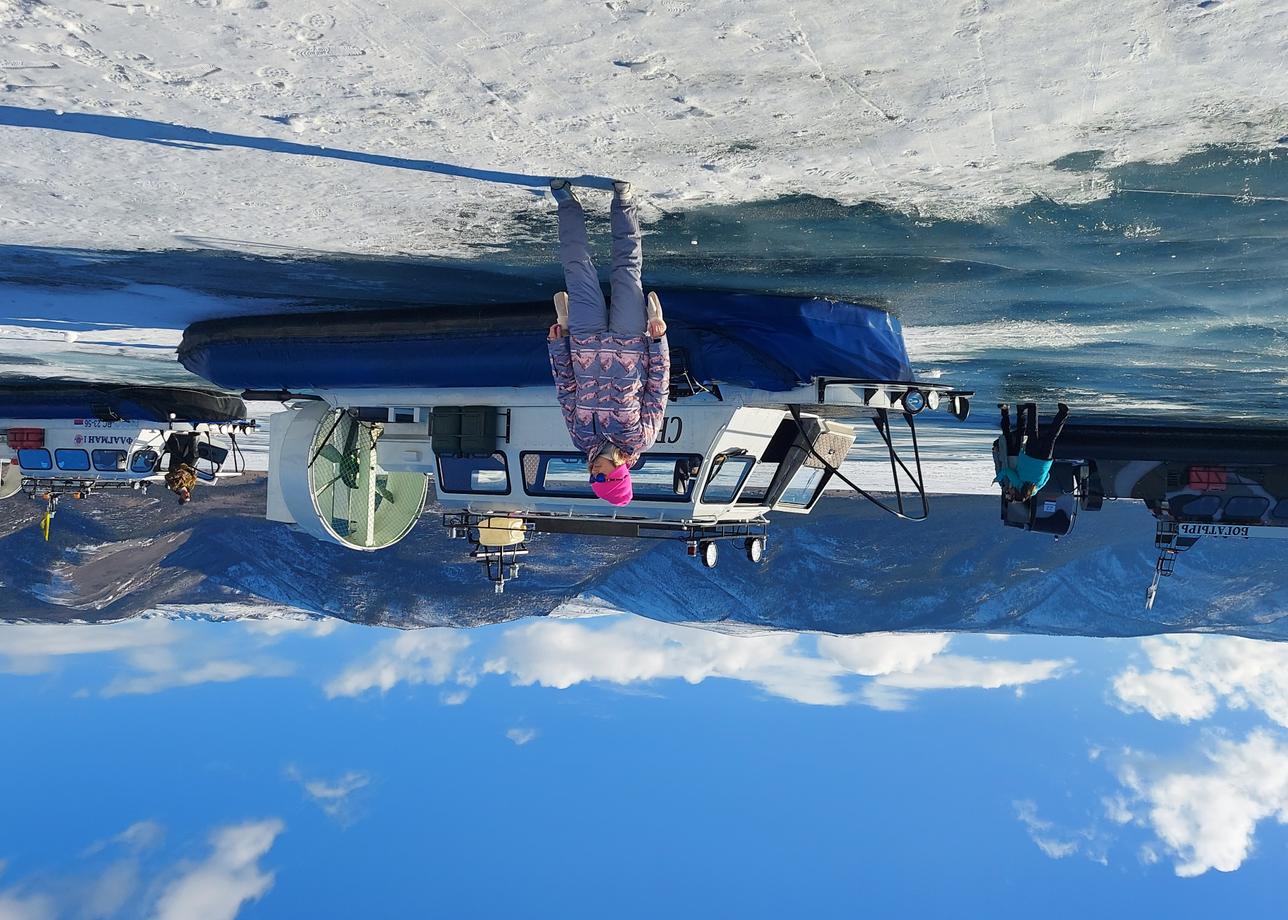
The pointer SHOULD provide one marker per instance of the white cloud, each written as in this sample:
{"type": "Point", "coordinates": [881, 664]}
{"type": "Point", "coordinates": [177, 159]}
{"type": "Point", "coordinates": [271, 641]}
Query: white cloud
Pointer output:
{"type": "Point", "coordinates": [883, 653]}
{"type": "Point", "coordinates": [955, 671]}
{"type": "Point", "coordinates": [1192, 675]}
{"type": "Point", "coordinates": [216, 888]}
{"type": "Point", "coordinates": [425, 657]}
{"type": "Point", "coordinates": [900, 662]}
{"type": "Point", "coordinates": [1057, 846]}
{"type": "Point", "coordinates": [139, 836]}
{"type": "Point", "coordinates": [219, 672]}
{"type": "Point", "coordinates": [1207, 817]}
{"type": "Point", "coordinates": [14, 906]}
{"type": "Point", "coordinates": [333, 796]}
{"type": "Point", "coordinates": [454, 697]}
{"type": "Point", "coordinates": [28, 648]}
{"type": "Point", "coordinates": [111, 891]}
{"type": "Point", "coordinates": [561, 653]}
{"type": "Point", "coordinates": [521, 736]}
{"type": "Point", "coordinates": [156, 653]}
{"type": "Point", "coordinates": [1164, 694]}
{"type": "Point", "coordinates": [313, 627]}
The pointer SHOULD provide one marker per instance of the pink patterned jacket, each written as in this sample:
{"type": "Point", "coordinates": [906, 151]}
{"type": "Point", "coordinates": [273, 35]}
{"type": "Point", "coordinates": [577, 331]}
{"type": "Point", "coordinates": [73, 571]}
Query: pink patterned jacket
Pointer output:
{"type": "Point", "coordinates": [612, 388]}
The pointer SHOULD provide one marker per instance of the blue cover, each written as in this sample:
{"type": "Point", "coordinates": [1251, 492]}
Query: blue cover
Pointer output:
{"type": "Point", "coordinates": [128, 403]}
{"type": "Point", "coordinates": [752, 340]}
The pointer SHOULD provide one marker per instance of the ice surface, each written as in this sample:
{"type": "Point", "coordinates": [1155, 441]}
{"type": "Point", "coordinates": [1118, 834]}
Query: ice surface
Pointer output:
{"type": "Point", "coordinates": [941, 108]}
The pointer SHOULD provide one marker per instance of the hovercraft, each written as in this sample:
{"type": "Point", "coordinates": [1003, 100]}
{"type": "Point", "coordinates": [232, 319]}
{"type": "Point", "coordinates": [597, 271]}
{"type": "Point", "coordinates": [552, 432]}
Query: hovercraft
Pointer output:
{"type": "Point", "coordinates": [71, 439]}
{"type": "Point", "coordinates": [1197, 480]}
{"type": "Point", "coordinates": [767, 396]}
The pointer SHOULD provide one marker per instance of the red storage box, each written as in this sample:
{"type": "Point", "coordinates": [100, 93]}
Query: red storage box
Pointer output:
{"type": "Point", "coordinates": [26, 438]}
{"type": "Point", "coordinates": [1207, 479]}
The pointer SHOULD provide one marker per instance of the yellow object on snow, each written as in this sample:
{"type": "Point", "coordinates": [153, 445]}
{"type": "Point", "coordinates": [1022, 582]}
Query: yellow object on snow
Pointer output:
{"type": "Point", "coordinates": [501, 531]}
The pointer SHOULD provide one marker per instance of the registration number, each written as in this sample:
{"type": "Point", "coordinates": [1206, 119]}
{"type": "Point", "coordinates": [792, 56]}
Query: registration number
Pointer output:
{"type": "Point", "coordinates": [1231, 530]}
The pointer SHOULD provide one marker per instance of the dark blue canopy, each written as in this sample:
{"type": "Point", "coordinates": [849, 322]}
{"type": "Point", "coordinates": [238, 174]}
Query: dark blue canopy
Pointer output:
{"type": "Point", "coordinates": [72, 400]}
{"type": "Point", "coordinates": [754, 340]}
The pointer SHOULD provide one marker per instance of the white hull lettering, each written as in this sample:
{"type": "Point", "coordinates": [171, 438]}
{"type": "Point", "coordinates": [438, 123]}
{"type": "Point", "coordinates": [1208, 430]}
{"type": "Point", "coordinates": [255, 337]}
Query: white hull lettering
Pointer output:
{"type": "Point", "coordinates": [1231, 530]}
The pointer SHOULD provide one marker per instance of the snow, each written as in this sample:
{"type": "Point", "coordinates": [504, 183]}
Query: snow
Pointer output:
{"type": "Point", "coordinates": [948, 109]}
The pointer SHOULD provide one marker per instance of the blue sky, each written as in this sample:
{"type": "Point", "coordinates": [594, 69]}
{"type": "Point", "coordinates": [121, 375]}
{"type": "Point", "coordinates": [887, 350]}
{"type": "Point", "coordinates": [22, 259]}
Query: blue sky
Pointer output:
{"type": "Point", "coordinates": [619, 766]}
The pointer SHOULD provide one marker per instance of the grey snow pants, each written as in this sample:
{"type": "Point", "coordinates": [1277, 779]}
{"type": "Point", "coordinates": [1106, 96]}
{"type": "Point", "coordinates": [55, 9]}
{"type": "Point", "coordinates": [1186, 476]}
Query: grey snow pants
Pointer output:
{"type": "Point", "coordinates": [587, 313]}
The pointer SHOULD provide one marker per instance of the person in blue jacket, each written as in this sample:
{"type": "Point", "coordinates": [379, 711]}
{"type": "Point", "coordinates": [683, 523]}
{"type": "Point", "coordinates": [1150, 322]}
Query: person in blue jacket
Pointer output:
{"type": "Point", "coordinates": [1025, 466]}
{"type": "Point", "coordinates": [1006, 452]}
{"type": "Point", "coordinates": [1033, 465]}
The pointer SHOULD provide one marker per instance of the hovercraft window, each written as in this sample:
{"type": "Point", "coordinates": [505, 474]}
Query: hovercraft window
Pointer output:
{"type": "Point", "coordinates": [75, 461]}
{"type": "Point", "coordinates": [657, 477]}
{"type": "Point", "coordinates": [1199, 506]}
{"type": "Point", "coordinates": [109, 461]}
{"type": "Point", "coordinates": [34, 459]}
{"type": "Point", "coordinates": [804, 489]}
{"type": "Point", "coordinates": [144, 461]}
{"type": "Point", "coordinates": [728, 472]}
{"type": "Point", "coordinates": [487, 474]}
{"type": "Point", "coordinates": [1245, 508]}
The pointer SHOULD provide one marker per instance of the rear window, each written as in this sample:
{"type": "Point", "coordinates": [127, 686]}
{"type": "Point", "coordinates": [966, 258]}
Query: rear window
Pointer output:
{"type": "Point", "coordinates": [75, 461]}
{"type": "Point", "coordinates": [34, 459]}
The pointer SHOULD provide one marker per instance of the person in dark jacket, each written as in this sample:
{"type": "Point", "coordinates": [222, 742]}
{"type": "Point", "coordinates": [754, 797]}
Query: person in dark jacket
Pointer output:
{"type": "Point", "coordinates": [611, 362]}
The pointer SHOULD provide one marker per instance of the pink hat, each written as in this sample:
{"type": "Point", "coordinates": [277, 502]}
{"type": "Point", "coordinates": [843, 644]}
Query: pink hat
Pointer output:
{"type": "Point", "coordinates": [616, 489]}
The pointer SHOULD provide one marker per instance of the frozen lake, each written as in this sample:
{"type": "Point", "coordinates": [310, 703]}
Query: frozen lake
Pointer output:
{"type": "Point", "coordinates": [1165, 298]}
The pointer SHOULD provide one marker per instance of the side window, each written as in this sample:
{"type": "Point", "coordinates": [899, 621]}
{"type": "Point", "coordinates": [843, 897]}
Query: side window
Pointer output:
{"type": "Point", "coordinates": [34, 459]}
{"type": "Point", "coordinates": [1203, 506]}
{"type": "Point", "coordinates": [109, 461]}
{"type": "Point", "coordinates": [1245, 508]}
{"type": "Point", "coordinates": [144, 461]}
{"type": "Point", "coordinates": [75, 461]}
{"type": "Point", "coordinates": [487, 473]}
{"type": "Point", "coordinates": [656, 477]}
{"type": "Point", "coordinates": [804, 487]}
{"type": "Point", "coordinates": [1281, 510]}
{"type": "Point", "coordinates": [728, 473]}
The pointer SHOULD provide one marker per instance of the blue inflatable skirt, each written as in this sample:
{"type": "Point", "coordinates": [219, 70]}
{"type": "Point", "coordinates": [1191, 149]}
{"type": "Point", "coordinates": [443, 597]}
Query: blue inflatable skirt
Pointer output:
{"type": "Point", "coordinates": [752, 340]}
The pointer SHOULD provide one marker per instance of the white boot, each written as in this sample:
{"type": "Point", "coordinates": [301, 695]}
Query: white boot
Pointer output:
{"type": "Point", "coordinates": [561, 311]}
{"type": "Point", "coordinates": [653, 309]}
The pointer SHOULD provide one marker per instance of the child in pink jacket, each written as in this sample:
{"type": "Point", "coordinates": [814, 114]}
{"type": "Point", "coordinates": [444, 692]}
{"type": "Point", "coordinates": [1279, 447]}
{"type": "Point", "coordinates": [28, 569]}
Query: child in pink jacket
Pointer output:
{"type": "Point", "coordinates": [612, 367]}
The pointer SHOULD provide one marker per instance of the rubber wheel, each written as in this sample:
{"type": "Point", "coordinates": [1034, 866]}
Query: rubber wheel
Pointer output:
{"type": "Point", "coordinates": [709, 553]}
{"type": "Point", "coordinates": [755, 550]}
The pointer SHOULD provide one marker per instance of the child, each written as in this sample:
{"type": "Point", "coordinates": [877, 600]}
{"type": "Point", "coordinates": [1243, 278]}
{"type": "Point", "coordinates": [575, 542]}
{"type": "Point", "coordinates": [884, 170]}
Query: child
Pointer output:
{"type": "Point", "coordinates": [612, 367]}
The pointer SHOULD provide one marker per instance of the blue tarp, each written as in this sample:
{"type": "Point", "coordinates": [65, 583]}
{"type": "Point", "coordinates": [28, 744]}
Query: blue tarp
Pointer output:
{"type": "Point", "coordinates": [108, 401]}
{"type": "Point", "coordinates": [753, 340]}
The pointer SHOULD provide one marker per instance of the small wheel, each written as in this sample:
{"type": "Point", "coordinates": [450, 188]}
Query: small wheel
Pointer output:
{"type": "Point", "coordinates": [709, 553]}
{"type": "Point", "coordinates": [755, 549]}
